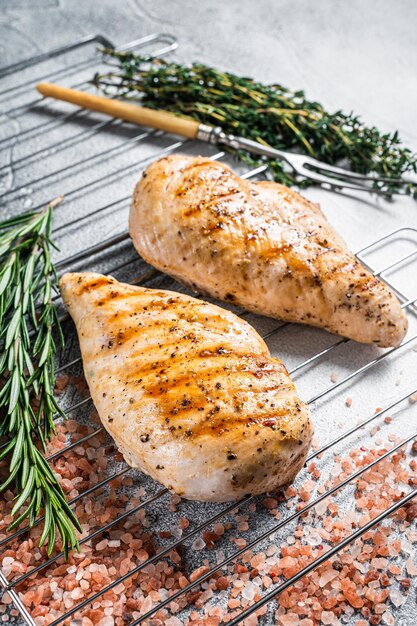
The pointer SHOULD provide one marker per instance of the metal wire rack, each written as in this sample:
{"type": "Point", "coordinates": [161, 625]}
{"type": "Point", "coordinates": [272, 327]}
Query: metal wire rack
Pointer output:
{"type": "Point", "coordinates": [36, 144]}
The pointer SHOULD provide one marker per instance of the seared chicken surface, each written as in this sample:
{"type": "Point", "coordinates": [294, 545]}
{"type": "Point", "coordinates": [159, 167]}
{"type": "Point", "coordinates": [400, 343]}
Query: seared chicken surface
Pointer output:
{"type": "Point", "coordinates": [260, 245]}
{"type": "Point", "coordinates": [188, 391]}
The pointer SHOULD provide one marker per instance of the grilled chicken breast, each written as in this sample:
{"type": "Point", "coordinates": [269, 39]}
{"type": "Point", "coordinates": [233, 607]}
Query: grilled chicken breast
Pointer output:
{"type": "Point", "coordinates": [260, 245]}
{"type": "Point", "coordinates": [188, 391]}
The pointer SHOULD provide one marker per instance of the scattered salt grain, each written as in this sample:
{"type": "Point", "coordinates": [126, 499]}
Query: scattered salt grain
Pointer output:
{"type": "Point", "coordinates": [315, 599]}
{"type": "Point", "coordinates": [77, 593]}
{"type": "Point", "coordinates": [198, 544]}
{"type": "Point", "coordinates": [176, 532]}
{"type": "Point", "coordinates": [388, 618]}
{"type": "Point", "coordinates": [327, 577]}
{"type": "Point", "coordinates": [173, 621]}
{"type": "Point", "coordinates": [7, 565]}
{"type": "Point", "coordinates": [102, 545]}
{"type": "Point", "coordinates": [289, 619]}
{"type": "Point", "coordinates": [147, 605]}
{"type": "Point", "coordinates": [396, 597]}
{"type": "Point", "coordinates": [407, 546]}
{"type": "Point", "coordinates": [249, 590]}
{"type": "Point", "coordinates": [312, 536]}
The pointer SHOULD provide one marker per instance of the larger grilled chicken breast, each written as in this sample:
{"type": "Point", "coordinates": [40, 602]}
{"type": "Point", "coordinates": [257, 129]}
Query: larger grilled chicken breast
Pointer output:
{"type": "Point", "coordinates": [259, 245]}
{"type": "Point", "coordinates": [188, 391]}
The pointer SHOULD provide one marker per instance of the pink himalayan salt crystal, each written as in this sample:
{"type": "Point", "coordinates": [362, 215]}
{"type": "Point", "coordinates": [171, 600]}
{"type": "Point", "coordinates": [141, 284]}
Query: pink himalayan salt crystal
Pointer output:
{"type": "Point", "coordinates": [147, 605]}
{"type": "Point", "coordinates": [77, 593]}
{"type": "Point", "coordinates": [174, 607]}
{"type": "Point", "coordinates": [388, 618]}
{"type": "Point", "coordinates": [7, 565]}
{"type": "Point", "coordinates": [72, 426]}
{"type": "Point", "coordinates": [380, 608]}
{"type": "Point", "coordinates": [396, 597]}
{"type": "Point", "coordinates": [309, 485]}
{"type": "Point", "coordinates": [198, 544]}
{"type": "Point", "coordinates": [287, 561]}
{"type": "Point", "coordinates": [288, 619]}
{"type": "Point", "coordinates": [411, 567]}
{"type": "Point", "coordinates": [106, 621]}
{"type": "Point", "coordinates": [61, 382]}
{"type": "Point", "coordinates": [174, 501]}
{"type": "Point", "coordinates": [257, 560]}
{"type": "Point", "coordinates": [327, 618]}
{"type": "Point", "coordinates": [252, 620]}
{"type": "Point", "coordinates": [326, 577]}
{"type": "Point", "coordinates": [249, 590]}
{"type": "Point", "coordinates": [377, 500]}
{"type": "Point", "coordinates": [173, 621]}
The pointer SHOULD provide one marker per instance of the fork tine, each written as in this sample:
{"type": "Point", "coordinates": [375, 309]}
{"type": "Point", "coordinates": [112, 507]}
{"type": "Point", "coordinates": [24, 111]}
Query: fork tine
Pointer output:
{"type": "Point", "coordinates": [332, 169]}
{"type": "Point", "coordinates": [307, 166]}
{"type": "Point", "coordinates": [335, 182]}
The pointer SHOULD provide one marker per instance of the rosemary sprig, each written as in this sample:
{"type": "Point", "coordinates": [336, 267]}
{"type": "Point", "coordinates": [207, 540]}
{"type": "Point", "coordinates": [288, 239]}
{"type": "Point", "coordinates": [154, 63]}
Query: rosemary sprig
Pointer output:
{"type": "Point", "coordinates": [27, 404]}
{"type": "Point", "coordinates": [270, 114]}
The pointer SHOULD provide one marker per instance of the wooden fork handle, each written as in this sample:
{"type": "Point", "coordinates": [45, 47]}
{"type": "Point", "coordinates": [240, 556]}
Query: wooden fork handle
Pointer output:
{"type": "Point", "coordinates": [160, 120]}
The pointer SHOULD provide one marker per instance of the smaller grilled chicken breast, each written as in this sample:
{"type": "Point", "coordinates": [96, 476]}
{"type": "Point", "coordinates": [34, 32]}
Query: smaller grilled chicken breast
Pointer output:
{"type": "Point", "coordinates": [260, 245]}
{"type": "Point", "coordinates": [188, 391]}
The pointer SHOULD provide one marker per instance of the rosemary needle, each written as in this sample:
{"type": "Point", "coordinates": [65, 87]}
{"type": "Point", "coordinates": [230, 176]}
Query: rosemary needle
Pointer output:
{"type": "Point", "coordinates": [270, 114]}
{"type": "Point", "coordinates": [28, 319]}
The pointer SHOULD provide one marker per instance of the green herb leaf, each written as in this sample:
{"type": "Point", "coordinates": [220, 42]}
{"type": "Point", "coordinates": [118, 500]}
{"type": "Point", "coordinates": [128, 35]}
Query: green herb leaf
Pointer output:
{"type": "Point", "coordinates": [27, 352]}
{"type": "Point", "coordinates": [270, 114]}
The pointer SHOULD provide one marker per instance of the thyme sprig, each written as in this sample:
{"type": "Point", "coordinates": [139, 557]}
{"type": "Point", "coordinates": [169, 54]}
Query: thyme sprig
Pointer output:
{"type": "Point", "coordinates": [270, 114]}
{"type": "Point", "coordinates": [28, 318]}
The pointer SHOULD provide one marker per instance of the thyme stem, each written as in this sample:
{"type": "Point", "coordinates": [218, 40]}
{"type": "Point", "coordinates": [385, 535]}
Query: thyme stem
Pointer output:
{"type": "Point", "coordinates": [271, 113]}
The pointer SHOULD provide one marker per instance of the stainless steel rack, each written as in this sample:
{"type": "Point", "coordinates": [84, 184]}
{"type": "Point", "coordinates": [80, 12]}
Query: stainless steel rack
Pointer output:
{"type": "Point", "coordinates": [114, 254]}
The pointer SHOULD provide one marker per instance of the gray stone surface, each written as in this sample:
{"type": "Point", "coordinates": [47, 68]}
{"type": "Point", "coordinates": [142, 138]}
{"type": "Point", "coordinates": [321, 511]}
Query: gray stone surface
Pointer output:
{"type": "Point", "coordinates": [356, 55]}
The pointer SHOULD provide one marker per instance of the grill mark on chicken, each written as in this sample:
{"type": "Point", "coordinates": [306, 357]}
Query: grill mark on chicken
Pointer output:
{"type": "Point", "coordinates": [216, 361]}
{"type": "Point", "coordinates": [215, 421]}
{"type": "Point", "coordinates": [85, 287]}
{"type": "Point", "coordinates": [175, 336]}
{"type": "Point", "coordinates": [169, 380]}
{"type": "Point", "coordinates": [218, 206]}
{"type": "Point", "coordinates": [210, 180]}
{"type": "Point", "coordinates": [260, 242]}
{"type": "Point", "coordinates": [204, 417]}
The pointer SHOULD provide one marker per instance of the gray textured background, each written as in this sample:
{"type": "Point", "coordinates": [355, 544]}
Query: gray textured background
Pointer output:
{"type": "Point", "coordinates": [356, 55]}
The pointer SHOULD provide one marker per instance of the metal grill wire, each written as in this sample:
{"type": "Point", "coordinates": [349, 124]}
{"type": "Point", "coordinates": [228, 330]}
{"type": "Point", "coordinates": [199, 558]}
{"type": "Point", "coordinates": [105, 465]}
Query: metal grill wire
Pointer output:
{"type": "Point", "coordinates": [111, 244]}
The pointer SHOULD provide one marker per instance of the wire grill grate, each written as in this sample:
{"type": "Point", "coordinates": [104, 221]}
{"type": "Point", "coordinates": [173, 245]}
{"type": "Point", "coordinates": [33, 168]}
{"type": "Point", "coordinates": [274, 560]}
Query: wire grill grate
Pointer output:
{"type": "Point", "coordinates": [69, 177]}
